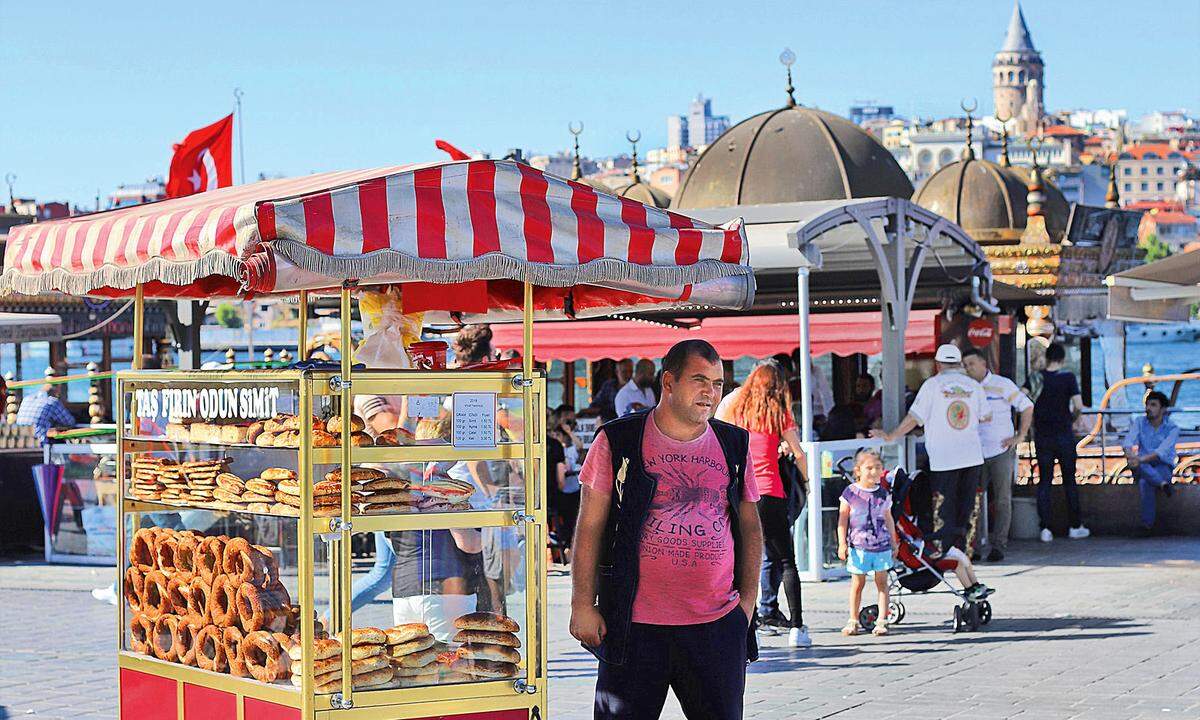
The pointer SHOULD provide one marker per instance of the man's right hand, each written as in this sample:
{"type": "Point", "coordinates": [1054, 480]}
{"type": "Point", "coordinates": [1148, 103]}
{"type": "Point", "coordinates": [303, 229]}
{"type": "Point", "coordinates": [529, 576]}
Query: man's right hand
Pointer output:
{"type": "Point", "coordinates": [587, 625]}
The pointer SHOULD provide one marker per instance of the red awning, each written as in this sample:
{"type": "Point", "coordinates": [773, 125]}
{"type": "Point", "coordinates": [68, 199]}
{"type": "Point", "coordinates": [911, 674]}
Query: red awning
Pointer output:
{"type": "Point", "coordinates": [755, 336]}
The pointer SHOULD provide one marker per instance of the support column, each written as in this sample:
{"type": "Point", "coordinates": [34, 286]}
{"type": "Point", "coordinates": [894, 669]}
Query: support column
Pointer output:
{"type": "Point", "coordinates": [894, 321]}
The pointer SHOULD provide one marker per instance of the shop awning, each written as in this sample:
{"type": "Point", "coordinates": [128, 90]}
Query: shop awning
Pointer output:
{"type": "Point", "coordinates": [29, 327]}
{"type": "Point", "coordinates": [445, 222]}
{"type": "Point", "coordinates": [755, 336]}
{"type": "Point", "coordinates": [1161, 291]}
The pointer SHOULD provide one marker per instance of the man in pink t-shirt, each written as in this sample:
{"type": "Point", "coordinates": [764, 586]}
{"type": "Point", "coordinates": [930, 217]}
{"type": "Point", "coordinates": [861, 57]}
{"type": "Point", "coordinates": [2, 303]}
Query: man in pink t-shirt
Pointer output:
{"type": "Point", "coordinates": [667, 551]}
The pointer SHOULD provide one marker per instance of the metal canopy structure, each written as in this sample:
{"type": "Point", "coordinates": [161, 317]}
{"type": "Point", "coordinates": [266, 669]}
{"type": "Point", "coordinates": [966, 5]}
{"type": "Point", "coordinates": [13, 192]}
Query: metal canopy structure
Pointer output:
{"type": "Point", "coordinates": [870, 253]}
{"type": "Point", "coordinates": [1161, 291]}
{"type": "Point", "coordinates": [878, 254]}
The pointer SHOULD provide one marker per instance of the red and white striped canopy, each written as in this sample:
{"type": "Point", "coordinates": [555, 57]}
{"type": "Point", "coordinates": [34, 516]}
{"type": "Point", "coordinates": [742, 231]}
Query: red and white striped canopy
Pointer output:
{"type": "Point", "coordinates": [444, 222]}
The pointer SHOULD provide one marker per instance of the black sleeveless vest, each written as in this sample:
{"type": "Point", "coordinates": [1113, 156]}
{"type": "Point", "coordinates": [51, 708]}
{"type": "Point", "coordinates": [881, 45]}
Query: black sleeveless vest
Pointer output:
{"type": "Point", "coordinates": [633, 492]}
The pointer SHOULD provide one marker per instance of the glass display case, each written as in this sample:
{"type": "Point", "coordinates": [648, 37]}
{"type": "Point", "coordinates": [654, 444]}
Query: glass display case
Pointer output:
{"type": "Point", "coordinates": [77, 488]}
{"type": "Point", "coordinates": [244, 495]}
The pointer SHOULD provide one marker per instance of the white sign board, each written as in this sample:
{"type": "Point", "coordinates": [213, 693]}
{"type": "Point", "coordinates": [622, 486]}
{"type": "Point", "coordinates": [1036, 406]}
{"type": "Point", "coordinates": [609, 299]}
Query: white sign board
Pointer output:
{"type": "Point", "coordinates": [474, 420]}
{"type": "Point", "coordinates": [424, 406]}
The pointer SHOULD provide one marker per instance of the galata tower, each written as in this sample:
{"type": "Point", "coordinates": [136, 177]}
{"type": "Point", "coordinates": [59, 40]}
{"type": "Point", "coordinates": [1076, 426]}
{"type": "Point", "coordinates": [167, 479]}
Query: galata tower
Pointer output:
{"type": "Point", "coordinates": [1017, 82]}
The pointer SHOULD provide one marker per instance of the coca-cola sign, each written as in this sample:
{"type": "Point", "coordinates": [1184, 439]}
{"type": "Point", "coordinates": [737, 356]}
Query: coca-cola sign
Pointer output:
{"type": "Point", "coordinates": [980, 332]}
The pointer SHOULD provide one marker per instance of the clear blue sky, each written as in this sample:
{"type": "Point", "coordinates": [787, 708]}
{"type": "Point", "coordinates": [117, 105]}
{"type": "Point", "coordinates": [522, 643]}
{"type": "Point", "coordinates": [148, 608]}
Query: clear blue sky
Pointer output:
{"type": "Point", "coordinates": [94, 94]}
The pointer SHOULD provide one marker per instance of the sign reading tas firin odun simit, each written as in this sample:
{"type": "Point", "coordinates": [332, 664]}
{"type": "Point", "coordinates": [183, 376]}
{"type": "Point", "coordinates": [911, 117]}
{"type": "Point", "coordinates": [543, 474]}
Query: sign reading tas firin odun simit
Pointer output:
{"type": "Point", "coordinates": [206, 403]}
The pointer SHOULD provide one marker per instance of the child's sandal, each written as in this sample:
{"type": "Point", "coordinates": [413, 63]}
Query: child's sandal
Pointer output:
{"type": "Point", "coordinates": [852, 628]}
{"type": "Point", "coordinates": [880, 629]}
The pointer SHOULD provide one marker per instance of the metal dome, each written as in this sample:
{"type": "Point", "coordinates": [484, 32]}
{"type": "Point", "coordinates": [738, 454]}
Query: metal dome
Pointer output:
{"type": "Point", "coordinates": [793, 154]}
{"type": "Point", "coordinates": [989, 200]}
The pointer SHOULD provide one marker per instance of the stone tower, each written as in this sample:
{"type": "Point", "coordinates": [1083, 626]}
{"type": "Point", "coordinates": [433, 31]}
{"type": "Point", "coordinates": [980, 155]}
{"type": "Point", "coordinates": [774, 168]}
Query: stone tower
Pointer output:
{"type": "Point", "coordinates": [1017, 81]}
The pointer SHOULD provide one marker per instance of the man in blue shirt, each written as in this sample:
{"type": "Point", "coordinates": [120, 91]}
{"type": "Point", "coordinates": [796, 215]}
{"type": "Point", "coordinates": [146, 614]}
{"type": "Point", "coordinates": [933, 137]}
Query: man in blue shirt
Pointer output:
{"type": "Point", "coordinates": [44, 410]}
{"type": "Point", "coordinates": [1150, 449]}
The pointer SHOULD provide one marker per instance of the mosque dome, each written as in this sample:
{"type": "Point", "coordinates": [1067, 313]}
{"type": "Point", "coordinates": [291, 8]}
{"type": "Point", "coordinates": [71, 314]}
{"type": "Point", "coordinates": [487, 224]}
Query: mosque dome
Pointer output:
{"type": "Point", "coordinates": [792, 154]}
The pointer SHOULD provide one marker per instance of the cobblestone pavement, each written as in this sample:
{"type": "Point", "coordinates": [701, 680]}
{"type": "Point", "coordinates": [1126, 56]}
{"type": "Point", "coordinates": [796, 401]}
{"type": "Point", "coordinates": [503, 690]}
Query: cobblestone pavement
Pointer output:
{"type": "Point", "coordinates": [1102, 629]}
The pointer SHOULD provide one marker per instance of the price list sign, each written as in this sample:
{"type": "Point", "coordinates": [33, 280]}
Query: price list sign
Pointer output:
{"type": "Point", "coordinates": [474, 420]}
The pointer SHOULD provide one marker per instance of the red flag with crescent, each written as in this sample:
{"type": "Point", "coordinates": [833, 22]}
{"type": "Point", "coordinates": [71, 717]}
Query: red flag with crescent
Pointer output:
{"type": "Point", "coordinates": [203, 161]}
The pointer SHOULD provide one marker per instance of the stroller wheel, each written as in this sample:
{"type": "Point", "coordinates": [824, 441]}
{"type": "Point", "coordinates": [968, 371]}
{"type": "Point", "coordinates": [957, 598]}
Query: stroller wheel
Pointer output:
{"type": "Point", "coordinates": [985, 612]}
{"type": "Point", "coordinates": [972, 616]}
{"type": "Point", "coordinates": [958, 619]}
{"type": "Point", "coordinates": [895, 612]}
{"type": "Point", "coordinates": [867, 617]}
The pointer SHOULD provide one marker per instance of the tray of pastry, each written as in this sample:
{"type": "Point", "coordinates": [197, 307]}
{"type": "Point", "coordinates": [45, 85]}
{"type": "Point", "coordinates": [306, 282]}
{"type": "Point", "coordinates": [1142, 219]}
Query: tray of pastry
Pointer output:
{"type": "Point", "coordinates": [281, 431]}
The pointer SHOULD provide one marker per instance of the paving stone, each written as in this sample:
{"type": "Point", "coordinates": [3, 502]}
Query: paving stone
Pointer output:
{"type": "Point", "coordinates": [1089, 629]}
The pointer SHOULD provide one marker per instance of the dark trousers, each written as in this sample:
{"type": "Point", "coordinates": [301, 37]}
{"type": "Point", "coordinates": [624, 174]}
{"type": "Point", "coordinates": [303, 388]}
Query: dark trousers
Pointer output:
{"type": "Point", "coordinates": [704, 664]}
{"type": "Point", "coordinates": [1049, 449]}
{"type": "Point", "coordinates": [957, 488]}
{"type": "Point", "coordinates": [779, 559]}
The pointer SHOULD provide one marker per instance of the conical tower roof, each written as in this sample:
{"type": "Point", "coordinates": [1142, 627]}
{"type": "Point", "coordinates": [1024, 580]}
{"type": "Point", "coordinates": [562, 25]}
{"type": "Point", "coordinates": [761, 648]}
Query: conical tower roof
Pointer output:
{"type": "Point", "coordinates": [1018, 39]}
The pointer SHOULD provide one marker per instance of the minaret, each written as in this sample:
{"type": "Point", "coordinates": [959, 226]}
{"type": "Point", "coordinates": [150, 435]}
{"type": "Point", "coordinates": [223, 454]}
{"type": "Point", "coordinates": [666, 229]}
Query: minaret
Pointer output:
{"type": "Point", "coordinates": [1017, 79]}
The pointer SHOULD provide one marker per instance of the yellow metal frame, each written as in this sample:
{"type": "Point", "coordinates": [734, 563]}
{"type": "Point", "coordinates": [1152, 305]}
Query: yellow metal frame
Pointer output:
{"type": "Point", "coordinates": [405, 703]}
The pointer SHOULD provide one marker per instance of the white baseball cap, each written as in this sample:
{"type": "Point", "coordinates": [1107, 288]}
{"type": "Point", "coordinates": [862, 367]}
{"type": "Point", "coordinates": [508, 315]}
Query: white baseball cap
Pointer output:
{"type": "Point", "coordinates": [949, 354]}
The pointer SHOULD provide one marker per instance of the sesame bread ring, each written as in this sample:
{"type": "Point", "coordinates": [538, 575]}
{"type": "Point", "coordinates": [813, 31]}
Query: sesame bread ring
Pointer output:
{"type": "Point", "coordinates": [179, 590]}
{"type": "Point", "coordinates": [197, 603]}
{"type": "Point", "coordinates": [164, 550]}
{"type": "Point", "coordinates": [156, 599]}
{"type": "Point", "coordinates": [231, 641]}
{"type": "Point", "coordinates": [209, 563]}
{"type": "Point", "coordinates": [222, 603]}
{"type": "Point", "coordinates": [134, 587]}
{"type": "Point", "coordinates": [210, 649]}
{"type": "Point", "coordinates": [258, 609]}
{"type": "Point", "coordinates": [248, 563]}
{"type": "Point", "coordinates": [183, 636]}
{"type": "Point", "coordinates": [140, 630]}
{"type": "Point", "coordinates": [141, 550]}
{"type": "Point", "coordinates": [162, 638]}
{"type": "Point", "coordinates": [263, 657]}
{"type": "Point", "coordinates": [185, 553]}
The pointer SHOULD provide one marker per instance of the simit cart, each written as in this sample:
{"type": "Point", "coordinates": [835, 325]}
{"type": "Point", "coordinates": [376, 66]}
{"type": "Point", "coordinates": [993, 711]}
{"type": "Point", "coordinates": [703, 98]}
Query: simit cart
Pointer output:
{"type": "Point", "coordinates": [242, 493]}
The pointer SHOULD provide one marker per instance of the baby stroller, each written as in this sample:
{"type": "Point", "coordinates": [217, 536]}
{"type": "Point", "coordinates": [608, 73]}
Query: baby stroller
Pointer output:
{"type": "Point", "coordinates": [920, 569]}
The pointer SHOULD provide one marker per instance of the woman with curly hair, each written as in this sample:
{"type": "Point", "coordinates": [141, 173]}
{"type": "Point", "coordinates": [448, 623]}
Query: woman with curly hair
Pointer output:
{"type": "Point", "coordinates": [762, 405]}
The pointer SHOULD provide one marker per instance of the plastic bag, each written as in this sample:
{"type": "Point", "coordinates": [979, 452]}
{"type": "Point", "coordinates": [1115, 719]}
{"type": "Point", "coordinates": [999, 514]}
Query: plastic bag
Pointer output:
{"type": "Point", "coordinates": [389, 331]}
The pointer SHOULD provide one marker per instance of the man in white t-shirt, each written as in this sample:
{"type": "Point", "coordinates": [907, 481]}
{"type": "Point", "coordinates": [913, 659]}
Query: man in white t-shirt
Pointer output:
{"type": "Point", "coordinates": [999, 441]}
{"type": "Point", "coordinates": [638, 393]}
{"type": "Point", "coordinates": [950, 406]}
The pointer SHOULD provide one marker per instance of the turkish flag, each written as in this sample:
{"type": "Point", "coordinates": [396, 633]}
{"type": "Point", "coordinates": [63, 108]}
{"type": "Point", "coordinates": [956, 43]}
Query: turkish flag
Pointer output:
{"type": "Point", "coordinates": [203, 161]}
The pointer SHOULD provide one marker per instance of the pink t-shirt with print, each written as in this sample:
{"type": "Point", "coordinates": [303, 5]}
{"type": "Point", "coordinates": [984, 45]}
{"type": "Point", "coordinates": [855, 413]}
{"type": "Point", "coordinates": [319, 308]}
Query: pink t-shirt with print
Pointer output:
{"type": "Point", "coordinates": [686, 555]}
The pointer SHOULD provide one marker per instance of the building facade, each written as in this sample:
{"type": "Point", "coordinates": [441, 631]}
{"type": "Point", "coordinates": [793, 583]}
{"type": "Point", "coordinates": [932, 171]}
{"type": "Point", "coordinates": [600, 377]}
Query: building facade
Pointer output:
{"type": "Point", "coordinates": [698, 128]}
{"type": "Point", "coordinates": [1152, 171]}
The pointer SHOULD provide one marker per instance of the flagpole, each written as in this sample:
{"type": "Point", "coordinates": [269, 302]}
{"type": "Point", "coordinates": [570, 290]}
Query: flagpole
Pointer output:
{"type": "Point", "coordinates": [237, 98]}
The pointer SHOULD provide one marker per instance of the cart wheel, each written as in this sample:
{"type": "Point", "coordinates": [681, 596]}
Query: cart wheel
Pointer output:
{"type": "Point", "coordinates": [985, 612]}
{"type": "Point", "coordinates": [971, 615]}
{"type": "Point", "coordinates": [958, 619]}
{"type": "Point", "coordinates": [867, 617]}
{"type": "Point", "coordinates": [895, 612]}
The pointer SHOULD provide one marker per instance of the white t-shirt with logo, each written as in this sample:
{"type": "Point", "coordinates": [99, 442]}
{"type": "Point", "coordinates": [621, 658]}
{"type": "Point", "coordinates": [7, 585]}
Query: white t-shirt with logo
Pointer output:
{"type": "Point", "coordinates": [950, 406]}
{"type": "Point", "coordinates": [1003, 396]}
